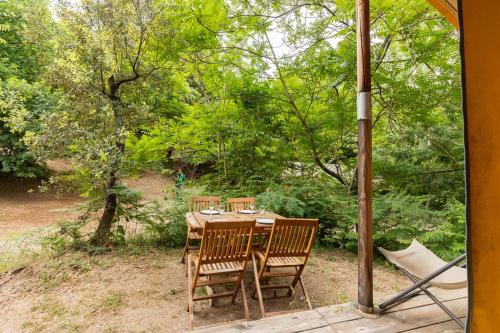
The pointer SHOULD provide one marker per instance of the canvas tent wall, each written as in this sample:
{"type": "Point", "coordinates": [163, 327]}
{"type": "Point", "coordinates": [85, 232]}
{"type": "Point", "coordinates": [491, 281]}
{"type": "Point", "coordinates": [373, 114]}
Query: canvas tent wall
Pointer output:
{"type": "Point", "coordinates": [480, 41]}
{"type": "Point", "coordinates": [479, 24]}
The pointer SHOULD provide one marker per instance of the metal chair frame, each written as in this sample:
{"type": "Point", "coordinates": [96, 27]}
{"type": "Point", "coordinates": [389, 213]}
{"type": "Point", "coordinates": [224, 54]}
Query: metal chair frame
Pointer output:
{"type": "Point", "coordinates": [420, 286]}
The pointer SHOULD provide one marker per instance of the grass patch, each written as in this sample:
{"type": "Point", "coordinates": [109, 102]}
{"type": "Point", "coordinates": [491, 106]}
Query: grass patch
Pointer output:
{"type": "Point", "coordinates": [342, 298]}
{"type": "Point", "coordinates": [53, 312]}
{"type": "Point", "coordinates": [21, 249]}
{"type": "Point", "coordinates": [52, 309]}
{"type": "Point", "coordinates": [71, 327]}
{"type": "Point", "coordinates": [11, 261]}
{"type": "Point", "coordinates": [202, 291]}
{"type": "Point", "coordinates": [112, 302]}
{"type": "Point", "coordinates": [51, 273]}
{"type": "Point", "coordinates": [101, 262]}
{"type": "Point", "coordinates": [33, 326]}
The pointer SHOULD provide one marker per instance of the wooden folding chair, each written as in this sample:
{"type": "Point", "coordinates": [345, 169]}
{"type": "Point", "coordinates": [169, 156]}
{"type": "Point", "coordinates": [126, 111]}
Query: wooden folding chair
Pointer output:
{"type": "Point", "coordinates": [289, 246]}
{"type": "Point", "coordinates": [236, 204]}
{"type": "Point", "coordinates": [197, 203]}
{"type": "Point", "coordinates": [225, 250]}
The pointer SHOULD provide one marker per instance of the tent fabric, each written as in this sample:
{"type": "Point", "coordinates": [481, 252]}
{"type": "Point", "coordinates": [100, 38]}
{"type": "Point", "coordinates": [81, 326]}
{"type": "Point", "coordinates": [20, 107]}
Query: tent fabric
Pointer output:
{"type": "Point", "coordinates": [480, 22]}
{"type": "Point", "coordinates": [420, 262]}
{"type": "Point", "coordinates": [449, 9]}
{"type": "Point", "coordinates": [480, 42]}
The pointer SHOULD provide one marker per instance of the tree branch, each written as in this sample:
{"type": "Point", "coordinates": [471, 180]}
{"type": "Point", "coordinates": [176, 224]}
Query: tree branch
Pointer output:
{"type": "Point", "coordinates": [307, 129]}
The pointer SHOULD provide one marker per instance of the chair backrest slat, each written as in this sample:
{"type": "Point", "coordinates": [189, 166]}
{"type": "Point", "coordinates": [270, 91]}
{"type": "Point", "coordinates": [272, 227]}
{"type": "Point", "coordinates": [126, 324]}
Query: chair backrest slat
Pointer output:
{"type": "Point", "coordinates": [197, 203]}
{"type": "Point", "coordinates": [292, 237]}
{"type": "Point", "coordinates": [225, 241]}
{"type": "Point", "coordinates": [236, 204]}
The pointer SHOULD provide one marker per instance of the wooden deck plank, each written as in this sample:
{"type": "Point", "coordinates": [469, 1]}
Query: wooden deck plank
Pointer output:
{"type": "Point", "coordinates": [423, 300]}
{"type": "Point", "coordinates": [404, 320]}
{"type": "Point", "coordinates": [325, 329]}
{"type": "Point", "coordinates": [346, 312]}
{"type": "Point", "coordinates": [418, 315]}
{"type": "Point", "coordinates": [289, 323]}
{"type": "Point", "coordinates": [338, 313]}
{"type": "Point", "coordinates": [447, 327]}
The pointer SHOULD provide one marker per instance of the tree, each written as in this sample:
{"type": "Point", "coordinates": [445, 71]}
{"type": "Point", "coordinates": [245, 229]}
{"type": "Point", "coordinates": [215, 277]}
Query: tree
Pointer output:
{"type": "Point", "coordinates": [106, 51]}
{"type": "Point", "coordinates": [307, 50]}
{"type": "Point", "coordinates": [23, 100]}
{"type": "Point", "coordinates": [22, 105]}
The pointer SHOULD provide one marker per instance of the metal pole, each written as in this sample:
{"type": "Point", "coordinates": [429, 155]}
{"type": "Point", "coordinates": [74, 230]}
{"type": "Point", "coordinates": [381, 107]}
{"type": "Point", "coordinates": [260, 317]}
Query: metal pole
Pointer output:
{"type": "Point", "coordinates": [365, 246]}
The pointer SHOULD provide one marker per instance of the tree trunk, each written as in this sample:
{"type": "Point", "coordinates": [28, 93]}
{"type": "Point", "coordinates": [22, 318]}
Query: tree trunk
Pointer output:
{"type": "Point", "coordinates": [103, 231]}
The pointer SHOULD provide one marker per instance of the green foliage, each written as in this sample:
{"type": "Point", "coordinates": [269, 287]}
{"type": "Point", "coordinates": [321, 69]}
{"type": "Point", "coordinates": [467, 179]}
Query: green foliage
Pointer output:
{"type": "Point", "coordinates": [398, 217]}
{"type": "Point", "coordinates": [171, 230]}
{"type": "Point", "coordinates": [22, 106]}
{"type": "Point", "coordinates": [450, 233]}
{"type": "Point", "coordinates": [433, 156]}
{"type": "Point", "coordinates": [257, 96]}
{"type": "Point", "coordinates": [23, 100]}
{"type": "Point", "coordinates": [20, 56]}
{"type": "Point", "coordinates": [299, 197]}
{"type": "Point", "coordinates": [282, 202]}
{"type": "Point", "coordinates": [132, 214]}
{"type": "Point", "coordinates": [149, 150]}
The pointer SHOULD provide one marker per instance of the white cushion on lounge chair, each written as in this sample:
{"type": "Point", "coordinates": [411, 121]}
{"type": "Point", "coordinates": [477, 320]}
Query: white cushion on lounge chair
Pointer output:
{"type": "Point", "coordinates": [419, 261]}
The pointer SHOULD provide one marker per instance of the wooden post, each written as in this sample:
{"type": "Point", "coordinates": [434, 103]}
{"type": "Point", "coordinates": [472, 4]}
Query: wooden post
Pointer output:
{"type": "Point", "coordinates": [365, 246]}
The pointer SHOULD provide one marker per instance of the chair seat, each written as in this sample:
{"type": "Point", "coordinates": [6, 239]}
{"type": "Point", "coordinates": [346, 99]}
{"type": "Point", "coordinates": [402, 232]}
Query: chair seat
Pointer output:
{"type": "Point", "coordinates": [421, 262]}
{"type": "Point", "coordinates": [194, 235]}
{"type": "Point", "coordinates": [219, 267]}
{"type": "Point", "coordinates": [280, 261]}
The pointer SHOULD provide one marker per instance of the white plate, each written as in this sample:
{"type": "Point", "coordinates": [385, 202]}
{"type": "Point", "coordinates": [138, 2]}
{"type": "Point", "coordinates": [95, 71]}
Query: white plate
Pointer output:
{"type": "Point", "coordinates": [247, 211]}
{"type": "Point", "coordinates": [210, 212]}
{"type": "Point", "coordinates": [265, 221]}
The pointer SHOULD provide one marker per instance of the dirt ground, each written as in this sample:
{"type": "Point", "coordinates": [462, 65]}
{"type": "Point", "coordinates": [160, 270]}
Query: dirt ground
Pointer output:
{"type": "Point", "coordinates": [144, 290]}
{"type": "Point", "coordinates": [23, 207]}
{"type": "Point", "coordinates": [136, 289]}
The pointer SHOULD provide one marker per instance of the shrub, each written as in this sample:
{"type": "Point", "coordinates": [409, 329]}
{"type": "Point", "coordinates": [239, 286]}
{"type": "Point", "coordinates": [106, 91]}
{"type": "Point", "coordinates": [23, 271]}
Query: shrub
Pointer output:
{"type": "Point", "coordinates": [171, 230]}
{"type": "Point", "coordinates": [398, 217]}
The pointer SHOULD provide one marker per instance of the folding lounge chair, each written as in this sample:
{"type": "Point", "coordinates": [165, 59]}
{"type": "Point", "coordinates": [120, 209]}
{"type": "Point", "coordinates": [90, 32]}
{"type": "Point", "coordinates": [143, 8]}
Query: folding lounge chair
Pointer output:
{"type": "Point", "coordinates": [288, 248]}
{"type": "Point", "coordinates": [425, 269]}
{"type": "Point", "coordinates": [223, 257]}
{"type": "Point", "coordinates": [197, 203]}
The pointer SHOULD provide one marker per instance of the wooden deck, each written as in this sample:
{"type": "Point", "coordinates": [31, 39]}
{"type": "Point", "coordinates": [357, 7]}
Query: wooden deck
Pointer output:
{"type": "Point", "coordinates": [418, 315]}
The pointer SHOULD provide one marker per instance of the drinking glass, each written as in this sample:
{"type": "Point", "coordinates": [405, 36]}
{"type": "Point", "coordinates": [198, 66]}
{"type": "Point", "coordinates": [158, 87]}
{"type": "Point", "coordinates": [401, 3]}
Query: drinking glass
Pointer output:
{"type": "Point", "coordinates": [221, 209]}
{"type": "Point", "coordinates": [262, 209]}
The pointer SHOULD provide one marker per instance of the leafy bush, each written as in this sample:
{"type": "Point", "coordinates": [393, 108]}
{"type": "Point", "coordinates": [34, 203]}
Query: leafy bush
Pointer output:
{"type": "Point", "coordinates": [398, 217]}
{"type": "Point", "coordinates": [282, 202]}
{"type": "Point", "coordinates": [171, 230]}
{"type": "Point", "coordinates": [299, 197]}
{"type": "Point", "coordinates": [21, 106]}
{"type": "Point", "coordinates": [450, 233]}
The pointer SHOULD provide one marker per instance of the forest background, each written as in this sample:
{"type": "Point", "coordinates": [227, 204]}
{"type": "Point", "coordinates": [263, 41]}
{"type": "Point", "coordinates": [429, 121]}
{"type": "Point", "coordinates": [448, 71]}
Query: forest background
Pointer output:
{"type": "Point", "coordinates": [250, 98]}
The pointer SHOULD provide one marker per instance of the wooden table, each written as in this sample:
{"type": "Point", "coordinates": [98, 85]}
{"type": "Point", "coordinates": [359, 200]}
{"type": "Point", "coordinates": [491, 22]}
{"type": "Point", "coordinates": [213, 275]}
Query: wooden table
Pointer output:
{"type": "Point", "coordinates": [196, 220]}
